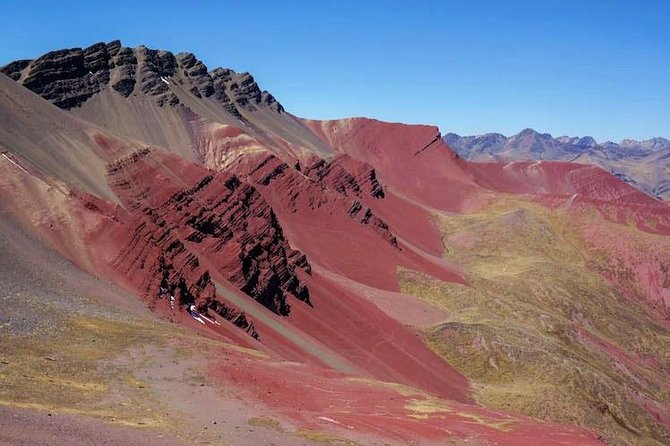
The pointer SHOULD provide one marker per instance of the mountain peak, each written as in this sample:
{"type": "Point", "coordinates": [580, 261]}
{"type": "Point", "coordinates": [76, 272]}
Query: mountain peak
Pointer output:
{"type": "Point", "coordinates": [528, 131]}
{"type": "Point", "coordinates": [70, 77]}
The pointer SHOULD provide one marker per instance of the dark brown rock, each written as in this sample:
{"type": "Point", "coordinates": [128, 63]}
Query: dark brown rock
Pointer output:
{"type": "Point", "coordinates": [220, 219]}
{"type": "Point", "coordinates": [70, 77]}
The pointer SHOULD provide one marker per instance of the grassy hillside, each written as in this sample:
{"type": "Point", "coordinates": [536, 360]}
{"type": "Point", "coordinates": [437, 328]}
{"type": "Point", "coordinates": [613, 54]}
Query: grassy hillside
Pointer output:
{"type": "Point", "coordinates": [540, 331]}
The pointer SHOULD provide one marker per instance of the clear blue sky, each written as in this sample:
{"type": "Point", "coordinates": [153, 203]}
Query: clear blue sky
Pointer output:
{"type": "Point", "coordinates": [600, 68]}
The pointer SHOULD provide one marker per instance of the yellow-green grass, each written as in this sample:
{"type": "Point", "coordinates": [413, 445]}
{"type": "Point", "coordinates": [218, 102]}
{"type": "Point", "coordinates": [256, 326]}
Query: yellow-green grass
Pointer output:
{"type": "Point", "coordinates": [533, 284]}
{"type": "Point", "coordinates": [324, 438]}
{"type": "Point", "coordinates": [74, 370]}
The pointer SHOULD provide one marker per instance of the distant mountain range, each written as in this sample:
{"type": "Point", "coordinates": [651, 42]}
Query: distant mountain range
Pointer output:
{"type": "Point", "coordinates": [643, 164]}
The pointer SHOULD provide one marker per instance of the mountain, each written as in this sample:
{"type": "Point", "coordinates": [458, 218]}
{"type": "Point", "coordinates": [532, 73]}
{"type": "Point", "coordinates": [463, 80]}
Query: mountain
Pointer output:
{"type": "Point", "coordinates": [183, 255]}
{"type": "Point", "coordinates": [643, 164]}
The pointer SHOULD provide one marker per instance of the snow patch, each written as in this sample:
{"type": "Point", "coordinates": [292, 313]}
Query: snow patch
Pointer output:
{"type": "Point", "coordinates": [330, 420]}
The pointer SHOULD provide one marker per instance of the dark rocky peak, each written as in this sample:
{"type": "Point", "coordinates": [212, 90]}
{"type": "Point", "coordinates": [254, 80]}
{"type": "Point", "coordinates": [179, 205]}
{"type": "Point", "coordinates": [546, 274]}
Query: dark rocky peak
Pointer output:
{"type": "Point", "coordinates": [190, 65]}
{"type": "Point", "coordinates": [468, 145]}
{"type": "Point", "coordinates": [97, 57]}
{"type": "Point", "coordinates": [125, 68]}
{"type": "Point", "coordinates": [530, 134]}
{"type": "Point", "coordinates": [243, 90]}
{"type": "Point", "coordinates": [70, 77]}
{"type": "Point", "coordinates": [156, 67]}
{"type": "Point", "coordinates": [14, 69]}
{"type": "Point", "coordinates": [493, 138]}
{"type": "Point", "coordinates": [486, 137]}
{"type": "Point", "coordinates": [162, 63]}
{"type": "Point", "coordinates": [527, 132]}
{"type": "Point", "coordinates": [537, 144]}
{"type": "Point", "coordinates": [586, 141]}
{"type": "Point", "coordinates": [113, 47]}
{"type": "Point", "coordinates": [270, 101]}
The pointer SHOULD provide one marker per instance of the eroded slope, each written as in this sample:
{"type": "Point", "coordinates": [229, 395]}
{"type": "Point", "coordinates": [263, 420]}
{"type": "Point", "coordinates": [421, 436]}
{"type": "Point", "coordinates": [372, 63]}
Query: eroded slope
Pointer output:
{"type": "Point", "coordinates": [193, 187]}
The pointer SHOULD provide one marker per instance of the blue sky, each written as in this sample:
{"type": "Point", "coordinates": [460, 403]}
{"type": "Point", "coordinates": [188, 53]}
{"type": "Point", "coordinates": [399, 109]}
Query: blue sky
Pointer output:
{"type": "Point", "coordinates": [599, 68]}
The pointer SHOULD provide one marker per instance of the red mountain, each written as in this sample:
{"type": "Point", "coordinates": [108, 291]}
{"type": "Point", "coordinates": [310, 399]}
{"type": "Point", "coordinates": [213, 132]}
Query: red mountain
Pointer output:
{"type": "Point", "coordinates": [363, 282]}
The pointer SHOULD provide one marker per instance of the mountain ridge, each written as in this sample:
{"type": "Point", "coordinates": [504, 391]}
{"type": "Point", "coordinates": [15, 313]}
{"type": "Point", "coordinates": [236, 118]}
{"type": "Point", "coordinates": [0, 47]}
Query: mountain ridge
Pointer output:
{"type": "Point", "coordinates": [648, 145]}
{"type": "Point", "coordinates": [644, 164]}
{"type": "Point", "coordinates": [69, 77]}
{"type": "Point", "coordinates": [354, 277]}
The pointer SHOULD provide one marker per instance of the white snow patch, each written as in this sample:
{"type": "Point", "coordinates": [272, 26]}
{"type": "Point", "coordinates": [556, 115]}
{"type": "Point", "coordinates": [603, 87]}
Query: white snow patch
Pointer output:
{"type": "Point", "coordinates": [209, 320]}
{"type": "Point", "coordinates": [330, 420]}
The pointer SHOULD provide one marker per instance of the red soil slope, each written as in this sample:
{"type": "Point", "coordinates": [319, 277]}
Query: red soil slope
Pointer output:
{"type": "Point", "coordinates": [255, 229]}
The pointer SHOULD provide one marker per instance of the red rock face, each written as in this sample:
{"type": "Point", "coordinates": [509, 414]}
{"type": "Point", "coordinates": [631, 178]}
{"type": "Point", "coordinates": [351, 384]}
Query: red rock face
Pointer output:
{"type": "Point", "coordinates": [300, 248]}
{"type": "Point", "coordinates": [346, 176]}
{"type": "Point", "coordinates": [189, 220]}
{"type": "Point", "coordinates": [324, 185]}
{"type": "Point", "coordinates": [410, 160]}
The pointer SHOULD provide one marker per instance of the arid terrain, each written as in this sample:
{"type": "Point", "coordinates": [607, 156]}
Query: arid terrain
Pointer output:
{"type": "Point", "coordinates": [183, 261]}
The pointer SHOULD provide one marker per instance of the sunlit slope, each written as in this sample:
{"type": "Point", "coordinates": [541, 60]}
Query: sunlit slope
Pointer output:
{"type": "Point", "coordinates": [201, 197]}
{"type": "Point", "coordinates": [540, 330]}
{"type": "Point", "coordinates": [55, 143]}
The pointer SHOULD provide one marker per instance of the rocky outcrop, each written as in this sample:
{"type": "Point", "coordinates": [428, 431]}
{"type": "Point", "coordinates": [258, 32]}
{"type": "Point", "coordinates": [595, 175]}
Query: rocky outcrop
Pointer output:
{"type": "Point", "coordinates": [70, 77]}
{"type": "Point", "coordinates": [340, 186]}
{"type": "Point", "coordinates": [217, 221]}
{"type": "Point", "coordinates": [123, 79]}
{"type": "Point", "coordinates": [368, 218]}
{"type": "Point", "coordinates": [64, 77]}
{"type": "Point", "coordinates": [164, 268]}
{"type": "Point", "coordinates": [205, 84]}
{"type": "Point", "coordinates": [346, 176]}
{"type": "Point", "coordinates": [156, 67]}
{"type": "Point", "coordinates": [14, 69]}
{"type": "Point", "coordinates": [243, 90]}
